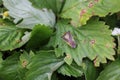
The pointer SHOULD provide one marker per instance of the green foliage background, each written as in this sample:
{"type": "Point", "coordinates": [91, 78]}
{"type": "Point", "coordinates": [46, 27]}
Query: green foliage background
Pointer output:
{"type": "Point", "coordinates": [37, 38]}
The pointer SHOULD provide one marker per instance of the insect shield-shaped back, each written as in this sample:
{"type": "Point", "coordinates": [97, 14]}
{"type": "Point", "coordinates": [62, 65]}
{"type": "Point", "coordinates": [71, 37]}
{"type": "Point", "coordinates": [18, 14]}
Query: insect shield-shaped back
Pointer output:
{"type": "Point", "coordinates": [68, 38]}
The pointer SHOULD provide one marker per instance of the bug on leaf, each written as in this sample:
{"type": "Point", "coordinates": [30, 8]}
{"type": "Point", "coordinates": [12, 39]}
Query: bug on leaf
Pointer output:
{"type": "Point", "coordinates": [68, 38]}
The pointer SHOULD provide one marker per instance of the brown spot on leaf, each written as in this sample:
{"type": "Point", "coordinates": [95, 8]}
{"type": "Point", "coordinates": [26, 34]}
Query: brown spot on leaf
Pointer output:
{"type": "Point", "coordinates": [92, 42]}
{"type": "Point", "coordinates": [83, 11]}
{"type": "Point", "coordinates": [68, 56]}
{"type": "Point", "coordinates": [24, 63]}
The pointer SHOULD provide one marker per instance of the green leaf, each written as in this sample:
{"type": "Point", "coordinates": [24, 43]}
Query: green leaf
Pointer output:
{"type": "Point", "coordinates": [25, 58]}
{"type": "Point", "coordinates": [22, 9]}
{"type": "Point", "coordinates": [71, 70]}
{"type": "Point", "coordinates": [12, 37]}
{"type": "Point", "coordinates": [39, 36]}
{"type": "Point", "coordinates": [92, 40]}
{"type": "Point", "coordinates": [11, 70]}
{"type": "Point", "coordinates": [111, 72]}
{"type": "Point", "coordinates": [55, 5]}
{"type": "Point", "coordinates": [1, 59]}
{"type": "Point", "coordinates": [42, 66]}
{"type": "Point", "coordinates": [81, 10]}
{"type": "Point", "coordinates": [6, 22]}
{"type": "Point", "coordinates": [0, 2]}
{"type": "Point", "coordinates": [89, 70]}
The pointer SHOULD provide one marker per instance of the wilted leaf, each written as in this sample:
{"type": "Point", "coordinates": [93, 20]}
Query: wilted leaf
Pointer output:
{"type": "Point", "coordinates": [42, 66]}
{"type": "Point", "coordinates": [111, 72]}
{"type": "Point", "coordinates": [22, 9]}
{"type": "Point", "coordinates": [81, 10]}
{"type": "Point", "coordinates": [92, 40]}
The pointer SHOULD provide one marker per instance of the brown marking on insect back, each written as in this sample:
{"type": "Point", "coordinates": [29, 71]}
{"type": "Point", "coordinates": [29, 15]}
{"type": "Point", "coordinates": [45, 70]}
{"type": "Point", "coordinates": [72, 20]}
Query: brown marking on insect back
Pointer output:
{"type": "Point", "coordinates": [92, 42]}
{"type": "Point", "coordinates": [24, 63]}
